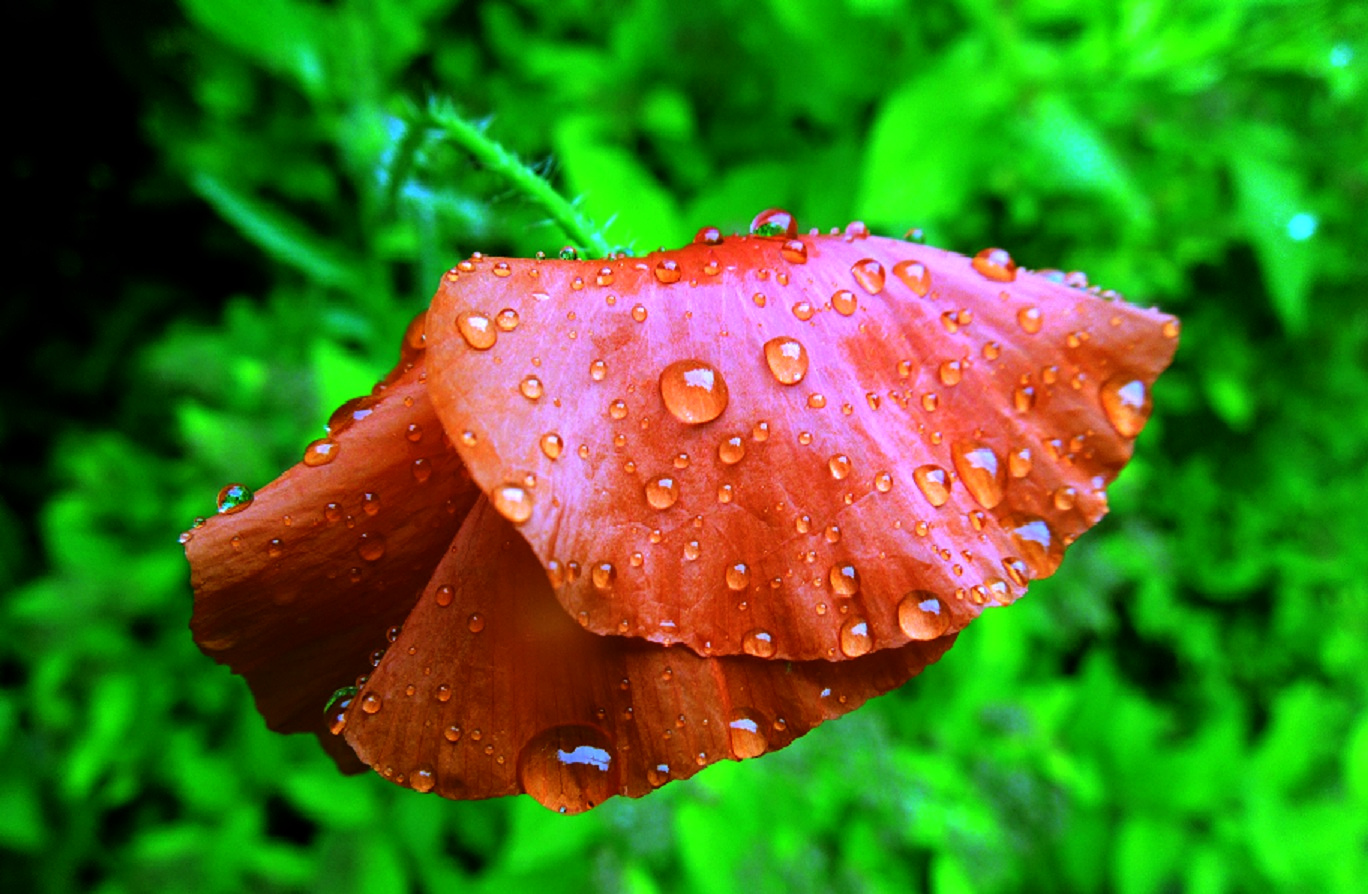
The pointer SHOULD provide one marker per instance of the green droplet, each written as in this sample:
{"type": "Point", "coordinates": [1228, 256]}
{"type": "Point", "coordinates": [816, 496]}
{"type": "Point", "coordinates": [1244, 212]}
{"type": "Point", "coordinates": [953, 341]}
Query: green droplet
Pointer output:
{"type": "Point", "coordinates": [234, 498]}
{"type": "Point", "coordinates": [569, 253]}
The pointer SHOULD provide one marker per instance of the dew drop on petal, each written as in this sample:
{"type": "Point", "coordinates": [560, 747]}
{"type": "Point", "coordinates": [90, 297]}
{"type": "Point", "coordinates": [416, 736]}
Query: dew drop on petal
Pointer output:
{"type": "Point", "coordinates": [738, 576]}
{"type": "Point", "coordinates": [320, 452]}
{"type": "Point", "coordinates": [914, 275]}
{"type": "Point", "coordinates": [667, 271]}
{"type": "Point", "coordinates": [845, 579]}
{"type": "Point", "coordinates": [854, 637]}
{"type": "Point", "coordinates": [475, 623]}
{"type": "Point", "coordinates": [980, 471]}
{"type": "Point", "coordinates": [921, 616]}
{"type": "Point", "coordinates": [869, 273]}
{"type": "Point", "coordinates": [883, 482]}
{"type": "Point", "coordinates": [598, 370]}
{"type": "Point", "coordinates": [995, 264]}
{"type": "Point", "coordinates": [732, 450]}
{"type": "Point", "coordinates": [233, 498]}
{"type": "Point", "coordinates": [552, 445]}
{"type": "Point", "coordinates": [758, 643]}
{"type": "Point", "coordinates": [371, 546]}
{"type": "Point", "coordinates": [746, 730]}
{"type": "Point", "coordinates": [693, 391]}
{"type": "Point", "coordinates": [839, 466]}
{"type": "Point", "coordinates": [787, 359]}
{"type": "Point", "coordinates": [844, 302]}
{"type": "Point", "coordinates": [477, 330]}
{"type": "Point", "coordinates": [531, 388]}
{"type": "Point", "coordinates": [371, 703]}
{"type": "Point", "coordinates": [1126, 402]}
{"type": "Point", "coordinates": [569, 768]}
{"type": "Point", "coordinates": [708, 236]}
{"type": "Point", "coordinates": [794, 251]}
{"type": "Point", "coordinates": [1037, 544]}
{"type": "Point", "coordinates": [513, 502]}
{"type": "Point", "coordinates": [662, 492]}
{"type": "Point", "coordinates": [444, 595]}
{"type": "Point", "coordinates": [1030, 320]}
{"type": "Point", "coordinates": [934, 484]}
{"type": "Point", "coordinates": [774, 222]}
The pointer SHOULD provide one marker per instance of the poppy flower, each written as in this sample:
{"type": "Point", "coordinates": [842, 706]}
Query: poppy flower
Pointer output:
{"type": "Point", "coordinates": [611, 521]}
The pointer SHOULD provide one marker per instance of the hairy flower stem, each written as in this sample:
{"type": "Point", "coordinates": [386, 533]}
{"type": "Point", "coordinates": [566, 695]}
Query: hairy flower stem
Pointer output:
{"type": "Point", "coordinates": [493, 157]}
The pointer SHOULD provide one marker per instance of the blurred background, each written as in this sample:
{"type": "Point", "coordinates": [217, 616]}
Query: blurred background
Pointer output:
{"type": "Point", "coordinates": [213, 250]}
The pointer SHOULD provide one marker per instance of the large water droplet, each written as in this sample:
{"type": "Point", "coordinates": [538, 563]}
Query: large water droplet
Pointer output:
{"type": "Point", "coordinates": [747, 732]}
{"type": "Point", "coordinates": [787, 359]}
{"type": "Point", "coordinates": [371, 546]}
{"type": "Point", "coordinates": [978, 467]}
{"type": "Point", "coordinates": [1030, 319]}
{"type": "Point", "coordinates": [921, 615]}
{"type": "Point", "coordinates": [662, 492]}
{"type": "Point", "coordinates": [758, 643]}
{"type": "Point", "coordinates": [1126, 402]}
{"type": "Point", "coordinates": [477, 329]}
{"type": "Point", "coordinates": [738, 576]}
{"type": "Point", "coordinates": [774, 222]}
{"type": "Point", "coordinates": [794, 251]}
{"type": "Point", "coordinates": [1037, 544]}
{"type": "Point", "coordinates": [839, 466]}
{"type": "Point", "coordinates": [513, 502]}
{"type": "Point", "coordinates": [844, 302]}
{"type": "Point", "coordinates": [667, 271]}
{"type": "Point", "coordinates": [693, 391]}
{"type": "Point", "coordinates": [995, 264]}
{"type": "Point", "coordinates": [569, 768]}
{"type": "Point", "coordinates": [845, 579]}
{"type": "Point", "coordinates": [320, 452]}
{"type": "Point", "coordinates": [869, 273]}
{"type": "Point", "coordinates": [233, 498]}
{"type": "Point", "coordinates": [552, 445]}
{"type": "Point", "coordinates": [914, 275]}
{"type": "Point", "coordinates": [855, 639]}
{"type": "Point", "coordinates": [934, 484]}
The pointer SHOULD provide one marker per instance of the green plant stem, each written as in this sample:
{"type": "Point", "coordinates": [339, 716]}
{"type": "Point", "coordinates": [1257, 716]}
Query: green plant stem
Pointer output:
{"type": "Point", "coordinates": [494, 157]}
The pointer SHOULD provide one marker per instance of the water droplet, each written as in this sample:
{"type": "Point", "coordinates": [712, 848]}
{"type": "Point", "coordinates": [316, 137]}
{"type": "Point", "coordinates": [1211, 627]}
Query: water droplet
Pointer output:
{"type": "Point", "coordinates": [794, 251]}
{"type": "Point", "coordinates": [1030, 320]}
{"type": "Point", "coordinates": [662, 492]}
{"type": "Point", "coordinates": [1019, 463]}
{"type": "Point", "coordinates": [507, 319]}
{"type": "Point", "coordinates": [921, 616]}
{"type": "Point", "coordinates": [371, 546]}
{"type": "Point", "coordinates": [639, 313]}
{"type": "Point", "coordinates": [844, 302]}
{"type": "Point", "coordinates": [667, 271]}
{"type": "Point", "coordinates": [758, 643]}
{"type": "Point", "coordinates": [950, 372]}
{"type": "Point", "coordinates": [787, 359]}
{"type": "Point", "coordinates": [856, 229]}
{"type": "Point", "coordinates": [371, 703]}
{"type": "Point", "coordinates": [693, 391]}
{"type": "Point", "coordinates": [422, 469]}
{"type": "Point", "coordinates": [746, 729]}
{"type": "Point", "coordinates": [1171, 328]}
{"type": "Point", "coordinates": [914, 275]}
{"type": "Point", "coordinates": [839, 466]}
{"type": "Point", "coordinates": [883, 482]}
{"type": "Point", "coordinates": [475, 623]}
{"type": "Point", "coordinates": [477, 330]}
{"type": "Point", "coordinates": [531, 387]}
{"type": "Point", "coordinates": [804, 310]}
{"type": "Point", "coordinates": [692, 550]}
{"type": "Point", "coordinates": [995, 264]}
{"type": "Point", "coordinates": [452, 733]}
{"type": "Point", "coordinates": [774, 222]}
{"type": "Point", "coordinates": [760, 431]}
{"type": "Point", "coordinates": [855, 639]}
{"type": "Point", "coordinates": [513, 502]}
{"type": "Point", "coordinates": [934, 484]}
{"type": "Point", "coordinates": [845, 579]}
{"type": "Point", "coordinates": [1065, 498]}
{"type": "Point", "coordinates": [869, 273]}
{"type": "Point", "coordinates": [738, 576]}
{"type": "Point", "coordinates": [552, 445]}
{"type": "Point", "coordinates": [444, 595]}
{"type": "Point", "coordinates": [603, 576]}
{"type": "Point", "coordinates": [732, 450]}
{"type": "Point", "coordinates": [708, 236]}
{"type": "Point", "coordinates": [1023, 398]}
{"type": "Point", "coordinates": [320, 452]}
{"type": "Point", "coordinates": [1036, 543]}
{"type": "Point", "coordinates": [1127, 404]}
{"type": "Point", "coordinates": [569, 768]}
{"type": "Point", "coordinates": [605, 276]}
{"type": "Point", "coordinates": [618, 409]}
{"type": "Point", "coordinates": [816, 401]}
{"type": "Point", "coordinates": [978, 467]}
{"type": "Point", "coordinates": [233, 498]}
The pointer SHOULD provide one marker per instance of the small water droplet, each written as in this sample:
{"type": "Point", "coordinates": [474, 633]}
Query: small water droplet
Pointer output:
{"type": "Point", "coordinates": [507, 319]}
{"type": "Point", "coordinates": [738, 576]}
{"type": "Point", "coordinates": [552, 445]}
{"type": "Point", "coordinates": [667, 271]}
{"type": "Point", "coordinates": [844, 302]}
{"type": "Point", "coordinates": [760, 431]}
{"type": "Point", "coordinates": [452, 734]}
{"type": "Point", "coordinates": [422, 469]}
{"type": "Point", "coordinates": [320, 452]}
{"type": "Point", "coordinates": [950, 372]}
{"type": "Point", "coordinates": [732, 450]}
{"type": "Point", "coordinates": [746, 731]}
{"type": "Point", "coordinates": [1171, 328]}
{"type": "Point", "coordinates": [845, 579]}
{"type": "Point", "coordinates": [869, 273]}
{"type": "Point", "coordinates": [275, 548]}
{"type": "Point", "coordinates": [477, 329]}
{"type": "Point", "coordinates": [1126, 402]}
{"type": "Point", "coordinates": [914, 275]}
{"type": "Point", "coordinates": [787, 359]}
{"type": "Point", "coordinates": [804, 310]}
{"type": "Point", "coordinates": [444, 595]}
{"type": "Point", "coordinates": [921, 616]}
{"type": "Point", "coordinates": [995, 264]}
{"type": "Point", "coordinates": [692, 550]}
{"type": "Point", "coordinates": [371, 703]}
{"type": "Point", "coordinates": [1030, 320]}
{"type": "Point", "coordinates": [980, 471]}
{"type": "Point", "coordinates": [693, 391]}
{"type": "Point", "coordinates": [883, 482]}
{"type": "Point", "coordinates": [513, 502]}
{"type": "Point", "coordinates": [569, 768]}
{"type": "Point", "coordinates": [758, 643]}
{"type": "Point", "coordinates": [839, 465]}
{"type": "Point", "coordinates": [708, 236]}
{"type": "Point", "coordinates": [603, 575]}
{"type": "Point", "coordinates": [531, 388]}
{"type": "Point", "coordinates": [774, 222]}
{"type": "Point", "coordinates": [934, 484]}
{"type": "Point", "coordinates": [604, 276]}
{"type": "Point", "coordinates": [1036, 543]}
{"type": "Point", "coordinates": [854, 638]}
{"type": "Point", "coordinates": [794, 251]}
{"type": "Point", "coordinates": [662, 492]}
{"type": "Point", "coordinates": [639, 313]}
{"type": "Point", "coordinates": [371, 546]}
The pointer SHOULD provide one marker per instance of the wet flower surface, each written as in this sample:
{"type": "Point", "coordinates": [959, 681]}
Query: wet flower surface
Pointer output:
{"type": "Point", "coordinates": [611, 521]}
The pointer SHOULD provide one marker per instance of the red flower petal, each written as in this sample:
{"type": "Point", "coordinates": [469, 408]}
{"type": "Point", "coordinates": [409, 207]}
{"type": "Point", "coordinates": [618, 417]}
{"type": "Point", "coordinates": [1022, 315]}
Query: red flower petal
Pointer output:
{"type": "Point", "coordinates": [490, 689]}
{"type": "Point", "coordinates": [825, 430]}
{"type": "Point", "coordinates": [296, 589]}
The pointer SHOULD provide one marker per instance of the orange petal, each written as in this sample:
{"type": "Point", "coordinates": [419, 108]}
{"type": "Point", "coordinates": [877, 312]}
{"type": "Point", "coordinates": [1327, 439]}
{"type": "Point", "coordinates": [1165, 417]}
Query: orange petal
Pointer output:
{"type": "Point", "coordinates": [823, 428]}
{"type": "Point", "coordinates": [490, 689]}
{"type": "Point", "coordinates": [295, 590]}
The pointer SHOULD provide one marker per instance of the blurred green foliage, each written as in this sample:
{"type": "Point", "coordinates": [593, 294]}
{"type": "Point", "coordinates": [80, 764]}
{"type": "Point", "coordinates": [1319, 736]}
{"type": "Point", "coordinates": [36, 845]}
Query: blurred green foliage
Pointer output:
{"type": "Point", "coordinates": [1181, 708]}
